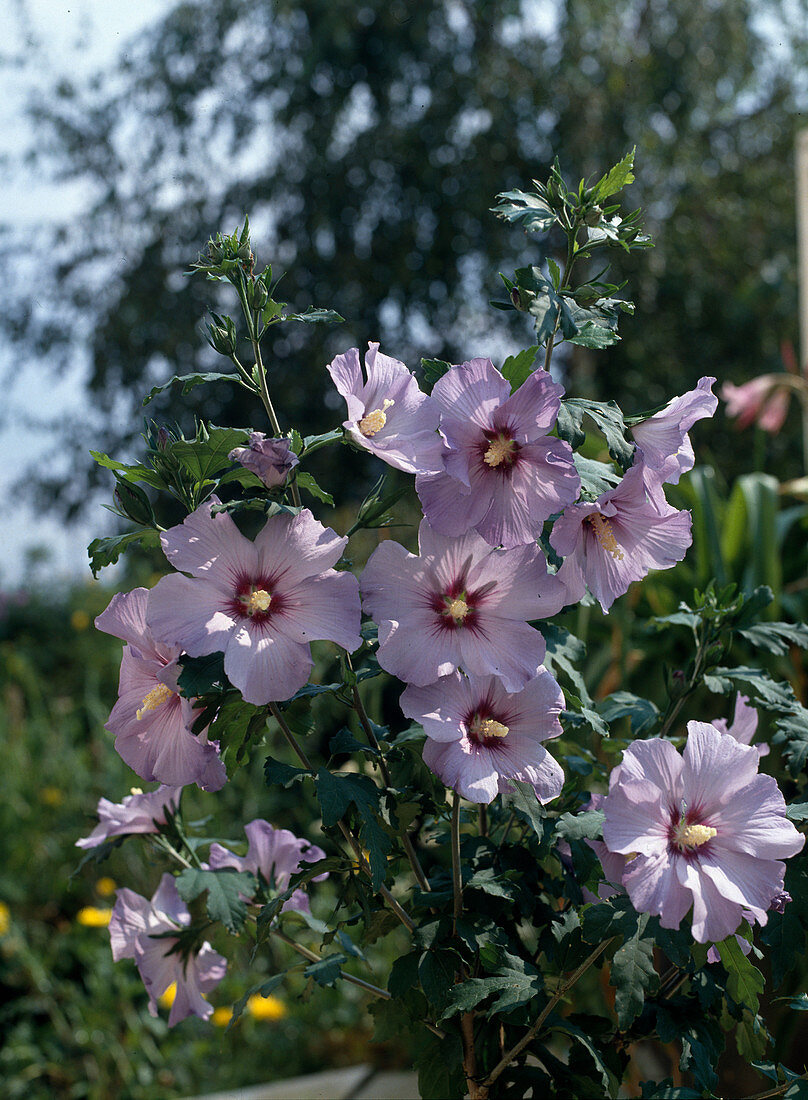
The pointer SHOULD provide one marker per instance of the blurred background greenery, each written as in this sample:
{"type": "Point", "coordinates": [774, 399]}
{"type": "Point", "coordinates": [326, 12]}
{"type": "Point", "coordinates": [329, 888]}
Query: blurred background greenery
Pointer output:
{"type": "Point", "coordinates": [367, 142]}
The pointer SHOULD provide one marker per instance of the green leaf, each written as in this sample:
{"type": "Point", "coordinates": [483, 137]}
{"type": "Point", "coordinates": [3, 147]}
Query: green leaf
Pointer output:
{"type": "Point", "coordinates": [306, 481]}
{"type": "Point", "coordinates": [596, 477]}
{"type": "Point", "coordinates": [513, 988]}
{"type": "Point", "coordinates": [202, 675]}
{"type": "Point", "coordinates": [777, 637]}
{"type": "Point", "coordinates": [226, 890]}
{"type": "Point", "coordinates": [203, 459]}
{"type": "Point", "coordinates": [517, 368]}
{"type": "Point", "coordinates": [609, 419]}
{"type": "Point", "coordinates": [618, 177]}
{"type": "Point", "coordinates": [344, 741]}
{"type": "Point", "coordinates": [285, 774]}
{"type": "Point", "coordinates": [522, 797]}
{"type": "Point", "coordinates": [643, 713]}
{"type": "Point", "coordinates": [314, 442]}
{"type": "Point", "coordinates": [439, 1063]}
{"type": "Point", "coordinates": [336, 793]}
{"type": "Point", "coordinates": [433, 369]}
{"type": "Point", "coordinates": [312, 315]}
{"type": "Point", "coordinates": [130, 473]}
{"type": "Point", "coordinates": [745, 981]}
{"type": "Point", "coordinates": [188, 382]}
{"type": "Point", "coordinates": [327, 970]}
{"type": "Point", "coordinates": [532, 211]}
{"type": "Point", "coordinates": [585, 825]}
{"type": "Point", "coordinates": [633, 975]}
{"type": "Point", "coordinates": [235, 726]}
{"type": "Point", "coordinates": [103, 552]}
{"type": "Point", "coordinates": [436, 973]}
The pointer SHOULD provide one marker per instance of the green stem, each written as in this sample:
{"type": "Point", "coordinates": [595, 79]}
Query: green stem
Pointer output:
{"type": "Point", "coordinates": [367, 726]}
{"type": "Point", "coordinates": [694, 680]}
{"type": "Point", "coordinates": [457, 882]}
{"type": "Point", "coordinates": [262, 376]}
{"type": "Point", "coordinates": [562, 991]}
{"type": "Point", "coordinates": [401, 913]}
{"type": "Point", "coordinates": [568, 263]}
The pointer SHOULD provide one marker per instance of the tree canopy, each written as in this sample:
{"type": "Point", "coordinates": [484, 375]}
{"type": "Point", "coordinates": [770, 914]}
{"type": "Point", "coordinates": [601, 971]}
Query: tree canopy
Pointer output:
{"type": "Point", "coordinates": [368, 141]}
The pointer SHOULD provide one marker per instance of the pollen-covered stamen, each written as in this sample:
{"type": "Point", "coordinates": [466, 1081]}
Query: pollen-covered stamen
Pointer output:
{"type": "Point", "coordinates": [604, 532]}
{"type": "Point", "coordinates": [501, 449]}
{"type": "Point", "coordinates": [259, 600]}
{"type": "Point", "coordinates": [692, 836]}
{"type": "Point", "coordinates": [156, 697]}
{"type": "Point", "coordinates": [480, 729]}
{"type": "Point", "coordinates": [374, 421]}
{"type": "Point", "coordinates": [456, 609]}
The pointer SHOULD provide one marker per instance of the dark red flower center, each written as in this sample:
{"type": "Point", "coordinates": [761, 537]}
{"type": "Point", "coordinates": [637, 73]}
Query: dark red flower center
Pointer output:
{"type": "Point", "coordinates": [256, 599]}
{"type": "Point", "coordinates": [499, 450]}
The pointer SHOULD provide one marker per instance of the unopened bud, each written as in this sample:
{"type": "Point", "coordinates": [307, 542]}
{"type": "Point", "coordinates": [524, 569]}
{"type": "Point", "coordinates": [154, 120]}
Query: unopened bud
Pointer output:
{"type": "Point", "coordinates": [593, 216]}
{"type": "Point", "coordinates": [222, 335]}
{"type": "Point", "coordinates": [258, 294]}
{"type": "Point", "coordinates": [134, 503]}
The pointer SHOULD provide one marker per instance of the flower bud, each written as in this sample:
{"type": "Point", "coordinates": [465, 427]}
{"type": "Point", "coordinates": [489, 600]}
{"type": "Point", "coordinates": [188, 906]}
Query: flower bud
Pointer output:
{"type": "Point", "coordinates": [134, 503]}
{"type": "Point", "coordinates": [271, 460]}
{"type": "Point", "coordinates": [222, 335]}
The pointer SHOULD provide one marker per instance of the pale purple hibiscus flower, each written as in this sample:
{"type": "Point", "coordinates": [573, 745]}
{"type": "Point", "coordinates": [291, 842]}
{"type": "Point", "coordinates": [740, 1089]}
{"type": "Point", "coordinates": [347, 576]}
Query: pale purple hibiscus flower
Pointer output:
{"type": "Point", "coordinates": [137, 931]}
{"type": "Point", "coordinates": [139, 812]}
{"type": "Point", "coordinates": [615, 540]}
{"type": "Point", "coordinates": [276, 854]}
{"type": "Point", "coordinates": [272, 460]}
{"type": "Point", "coordinates": [504, 474]}
{"type": "Point", "coordinates": [479, 736]}
{"type": "Point", "coordinates": [663, 439]}
{"type": "Point", "coordinates": [701, 830]}
{"type": "Point", "coordinates": [744, 724]}
{"type": "Point", "coordinates": [151, 720]}
{"type": "Point", "coordinates": [614, 866]}
{"type": "Point", "coordinates": [388, 414]}
{"type": "Point", "coordinates": [461, 604]}
{"type": "Point", "coordinates": [260, 603]}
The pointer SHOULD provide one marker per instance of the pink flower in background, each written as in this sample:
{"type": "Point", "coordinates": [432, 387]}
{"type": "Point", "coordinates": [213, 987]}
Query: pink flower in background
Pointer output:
{"type": "Point", "coordinates": [701, 830]}
{"type": "Point", "coordinates": [139, 812]}
{"type": "Point", "coordinates": [388, 414]}
{"type": "Point", "coordinates": [504, 474]}
{"type": "Point", "coordinates": [272, 460]}
{"type": "Point", "coordinates": [763, 400]}
{"type": "Point", "coordinates": [479, 736]}
{"type": "Point", "coordinates": [136, 931]}
{"type": "Point", "coordinates": [744, 724]}
{"type": "Point", "coordinates": [151, 720]}
{"type": "Point", "coordinates": [615, 540]}
{"type": "Point", "coordinates": [461, 604]}
{"type": "Point", "coordinates": [663, 439]}
{"type": "Point", "coordinates": [276, 854]}
{"type": "Point", "coordinates": [260, 603]}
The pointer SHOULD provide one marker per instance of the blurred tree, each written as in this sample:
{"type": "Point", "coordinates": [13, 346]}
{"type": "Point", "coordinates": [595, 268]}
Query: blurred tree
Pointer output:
{"type": "Point", "coordinates": [368, 140]}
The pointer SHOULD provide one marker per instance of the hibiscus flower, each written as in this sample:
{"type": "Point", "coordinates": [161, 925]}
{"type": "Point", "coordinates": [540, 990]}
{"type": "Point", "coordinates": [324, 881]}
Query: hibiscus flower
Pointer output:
{"type": "Point", "coordinates": [460, 604]}
{"type": "Point", "coordinates": [260, 603]}
{"type": "Point", "coordinates": [504, 474]}
{"type": "Point", "coordinates": [479, 736]}
{"type": "Point", "coordinates": [702, 830]}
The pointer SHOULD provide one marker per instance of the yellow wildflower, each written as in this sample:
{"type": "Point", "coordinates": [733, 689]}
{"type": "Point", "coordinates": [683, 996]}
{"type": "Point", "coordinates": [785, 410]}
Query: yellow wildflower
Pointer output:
{"type": "Point", "coordinates": [106, 886]}
{"type": "Point", "coordinates": [265, 1008]}
{"type": "Point", "coordinates": [92, 917]}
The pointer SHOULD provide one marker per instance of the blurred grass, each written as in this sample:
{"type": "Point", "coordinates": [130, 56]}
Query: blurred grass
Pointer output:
{"type": "Point", "coordinates": [73, 1023]}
